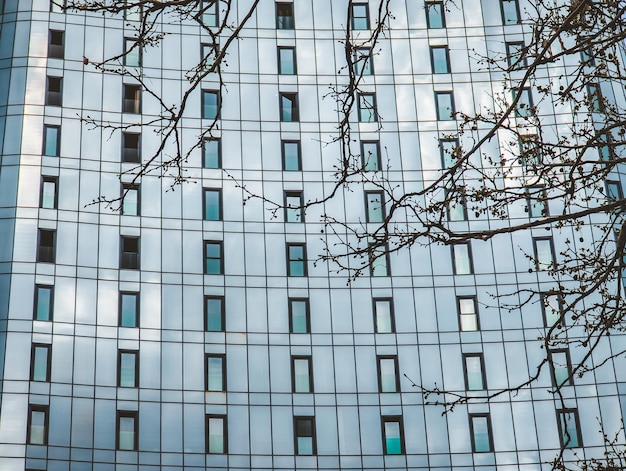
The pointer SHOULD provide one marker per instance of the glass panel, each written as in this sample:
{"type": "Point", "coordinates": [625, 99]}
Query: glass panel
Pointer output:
{"type": "Point", "coordinates": [379, 265]}
{"type": "Point", "coordinates": [286, 61]}
{"type": "Point", "coordinates": [393, 443]}
{"type": "Point", "coordinates": [43, 308]}
{"type": "Point", "coordinates": [293, 210]}
{"type": "Point", "coordinates": [480, 428]}
{"type": "Point", "coordinates": [37, 427]}
{"type": "Point", "coordinates": [374, 201]}
{"type": "Point", "coordinates": [384, 322]}
{"type": "Point", "coordinates": [362, 62]}
{"type": "Point", "coordinates": [216, 435]}
{"type": "Point", "coordinates": [209, 104]}
{"type": "Point", "coordinates": [523, 108]}
{"type": "Point", "coordinates": [301, 375]}
{"type": "Point", "coordinates": [129, 310]}
{"type": "Point", "coordinates": [40, 363]}
{"type": "Point", "coordinates": [296, 260]}
{"type": "Point", "coordinates": [133, 55]}
{"type": "Point", "coordinates": [561, 368]}
{"type": "Point", "coordinates": [51, 141]}
{"type": "Point", "coordinates": [130, 205]}
{"type": "Point", "coordinates": [551, 309]}
{"type": "Point", "coordinates": [284, 16]}
{"type": "Point", "coordinates": [213, 258]}
{"type": "Point", "coordinates": [439, 56]}
{"type": "Point", "coordinates": [212, 205]}
{"type": "Point", "coordinates": [209, 13]}
{"type": "Point", "coordinates": [445, 106]}
{"type": "Point", "coordinates": [211, 153]}
{"type": "Point", "coordinates": [543, 248]}
{"type": "Point", "coordinates": [127, 433]}
{"type": "Point", "coordinates": [127, 369]}
{"type": "Point", "coordinates": [299, 316]}
{"type": "Point", "coordinates": [360, 16]}
{"type": "Point", "coordinates": [510, 14]}
{"type": "Point", "coordinates": [291, 155]}
{"type": "Point", "coordinates": [468, 317]}
{"type": "Point", "coordinates": [462, 260]}
{"type": "Point", "coordinates": [473, 367]}
{"type": "Point", "coordinates": [434, 15]}
{"type": "Point", "coordinates": [214, 309]}
{"type": "Point", "coordinates": [215, 373]}
{"type": "Point", "coordinates": [388, 376]}
{"type": "Point", "coordinates": [288, 107]}
{"type": "Point", "coordinates": [367, 108]}
{"type": "Point", "coordinates": [371, 156]}
{"type": "Point", "coordinates": [569, 429]}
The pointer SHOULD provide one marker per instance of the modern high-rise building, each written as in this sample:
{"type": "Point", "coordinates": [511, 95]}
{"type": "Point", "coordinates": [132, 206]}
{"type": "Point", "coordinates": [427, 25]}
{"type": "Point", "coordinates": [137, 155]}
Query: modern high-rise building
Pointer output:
{"type": "Point", "coordinates": [194, 326]}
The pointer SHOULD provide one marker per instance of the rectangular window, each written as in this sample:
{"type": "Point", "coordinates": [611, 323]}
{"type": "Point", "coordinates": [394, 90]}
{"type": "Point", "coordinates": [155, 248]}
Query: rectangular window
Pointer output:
{"type": "Point", "coordinates": [211, 153]}
{"type": "Point", "coordinates": [362, 62]}
{"type": "Point", "coordinates": [129, 309]}
{"type": "Point", "coordinates": [210, 104]}
{"type": "Point", "coordinates": [552, 308]}
{"type": "Point", "coordinates": [510, 12]}
{"type": "Point", "coordinates": [296, 260]}
{"type": "Point", "coordinates": [370, 154]}
{"type": "Point", "coordinates": [132, 13]}
{"type": "Point", "coordinates": [301, 374]}
{"type": "Point", "coordinates": [367, 108]}
{"type": "Point", "coordinates": [54, 91]}
{"type": "Point", "coordinates": [480, 426]}
{"type": "Point", "coordinates": [537, 201]}
{"type": "Point", "coordinates": [56, 44]}
{"type": "Point", "coordinates": [569, 428]}
{"type": "Point", "coordinates": [435, 18]}
{"type": "Point", "coordinates": [215, 370]}
{"type": "Point", "coordinates": [614, 190]}
{"type": "Point", "coordinates": [445, 106]}
{"type": "Point", "coordinates": [359, 16]}
{"type": "Point", "coordinates": [214, 314]}
{"type": "Point", "coordinates": [127, 369]}
{"type": "Point", "coordinates": [474, 372]}
{"type": "Point", "coordinates": [129, 253]}
{"type": "Point", "coordinates": [388, 380]}
{"type": "Point", "coordinates": [37, 425]}
{"type": "Point", "coordinates": [48, 199]}
{"type": "Point", "coordinates": [544, 253]}
{"type": "Point", "coordinates": [284, 16]}
{"type": "Point", "coordinates": [440, 59]}
{"type": "Point", "coordinates": [456, 208]}
{"type": "Point", "coordinates": [209, 13]}
{"type": "Point", "coordinates": [516, 55]}
{"type": "Point", "coordinates": [379, 260]}
{"type": "Point", "coordinates": [130, 200]}
{"type": "Point", "coordinates": [462, 258]}
{"type": "Point", "coordinates": [560, 367]}
{"type": "Point", "coordinates": [46, 249]}
{"type": "Point", "coordinates": [291, 156]}
{"type": "Point", "coordinates": [127, 430]}
{"type": "Point", "coordinates": [299, 319]}
{"type": "Point", "coordinates": [132, 53]}
{"type": "Point", "coordinates": [449, 150]}
{"type": "Point", "coordinates": [212, 205]}
{"type": "Point", "coordinates": [530, 153]}
{"type": "Point", "coordinates": [289, 107]}
{"type": "Point", "coordinates": [213, 258]}
{"type": "Point", "coordinates": [374, 203]}
{"type": "Point", "coordinates": [132, 99]}
{"type": "Point", "coordinates": [524, 106]}
{"type": "Point", "coordinates": [287, 61]}
{"type": "Point", "coordinates": [57, 6]}
{"type": "Point", "coordinates": [587, 57]}
{"type": "Point", "coordinates": [44, 303]}
{"type": "Point", "coordinates": [293, 206]}
{"type": "Point", "coordinates": [606, 147]}
{"type": "Point", "coordinates": [208, 54]}
{"type": "Point", "coordinates": [383, 315]}
{"type": "Point", "coordinates": [51, 140]}
{"type": "Point", "coordinates": [217, 434]}
{"type": "Point", "coordinates": [40, 361]}
{"type": "Point", "coordinates": [131, 147]}
{"type": "Point", "coordinates": [304, 435]}
{"type": "Point", "coordinates": [468, 316]}
{"type": "Point", "coordinates": [393, 435]}
{"type": "Point", "coordinates": [594, 98]}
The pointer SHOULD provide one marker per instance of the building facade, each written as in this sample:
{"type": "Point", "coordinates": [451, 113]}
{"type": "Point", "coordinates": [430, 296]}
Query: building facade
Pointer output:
{"type": "Point", "coordinates": [194, 327]}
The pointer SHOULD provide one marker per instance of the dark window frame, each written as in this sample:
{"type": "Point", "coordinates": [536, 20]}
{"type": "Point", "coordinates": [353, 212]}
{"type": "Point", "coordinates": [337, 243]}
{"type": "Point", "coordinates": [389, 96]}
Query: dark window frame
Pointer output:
{"type": "Point", "coordinates": [539, 265]}
{"type": "Point", "coordinates": [527, 110]}
{"type": "Point", "coordinates": [294, 64]}
{"type": "Point", "coordinates": [285, 17]}
{"type": "Point", "coordinates": [503, 10]}
{"type": "Point", "coordinates": [222, 312]}
{"type": "Point", "coordinates": [224, 419]}
{"type": "Point", "coordinates": [294, 113]}
{"type": "Point", "coordinates": [446, 56]}
{"type": "Point", "coordinates": [205, 93]}
{"type": "Point", "coordinates": [441, 113]}
{"type": "Point", "coordinates": [374, 258]}
{"type": "Point", "coordinates": [544, 309]}
{"type": "Point", "coordinates": [209, 18]}
{"type": "Point", "coordinates": [473, 432]}
{"type": "Point", "coordinates": [54, 91]}
{"type": "Point", "coordinates": [120, 317]}
{"type": "Point", "coordinates": [135, 354]}
{"type": "Point", "coordinates": [129, 415]}
{"type": "Point", "coordinates": [391, 315]}
{"type": "Point", "coordinates": [131, 98]}
{"type": "Point", "coordinates": [307, 314]}
{"type": "Point", "coordinates": [48, 348]}
{"type": "Point", "coordinates": [440, 14]}
{"type": "Point", "coordinates": [394, 358]}
{"type": "Point", "coordinates": [129, 259]}
{"type": "Point", "coordinates": [46, 253]}
{"type": "Point", "coordinates": [355, 21]}
{"type": "Point", "coordinates": [39, 287]}
{"type": "Point", "coordinates": [461, 314]}
{"type": "Point", "coordinates": [303, 261]}
{"type": "Point", "coordinates": [56, 44]}
{"type": "Point", "coordinates": [368, 210]}
{"type": "Point", "coordinates": [309, 360]}
{"type": "Point", "coordinates": [207, 376]}
{"type": "Point", "coordinates": [369, 108]}
{"type": "Point", "coordinates": [125, 190]}
{"type": "Point", "coordinates": [220, 214]}
{"type": "Point", "coordinates": [29, 426]}
{"type": "Point", "coordinates": [296, 434]}
{"type": "Point", "coordinates": [57, 148]}
{"type": "Point", "coordinates": [205, 155]}
{"type": "Point", "coordinates": [568, 366]}
{"type": "Point", "coordinates": [483, 375]}
{"type": "Point", "coordinates": [363, 62]}
{"type": "Point", "coordinates": [469, 256]}
{"type": "Point", "coordinates": [284, 154]}
{"type": "Point", "coordinates": [131, 51]}
{"type": "Point", "coordinates": [563, 439]}
{"type": "Point", "coordinates": [300, 208]}
{"type": "Point", "coordinates": [220, 245]}
{"type": "Point", "coordinates": [55, 199]}
{"type": "Point", "coordinates": [392, 419]}
{"type": "Point", "coordinates": [516, 55]}
{"type": "Point", "coordinates": [365, 159]}
{"type": "Point", "coordinates": [131, 147]}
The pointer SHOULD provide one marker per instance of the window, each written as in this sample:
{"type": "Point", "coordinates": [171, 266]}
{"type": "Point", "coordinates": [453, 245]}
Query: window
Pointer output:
{"type": "Point", "coordinates": [54, 91]}
{"type": "Point", "coordinates": [217, 434]}
{"type": "Point", "coordinates": [594, 98]}
{"type": "Point", "coordinates": [131, 147]}
{"type": "Point", "coordinates": [40, 361]}
{"type": "Point", "coordinates": [606, 148]}
{"type": "Point", "coordinates": [299, 319]}
{"type": "Point", "coordinates": [208, 54]}
{"type": "Point", "coordinates": [293, 206]}
{"type": "Point", "coordinates": [127, 369]}
{"type": "Point", "coordinates": [480, 426]}
{"type": "Point", "coordinates": [587, 57]}
{"type": "Point", "coordinates": [287, 61]}
{"type": "Point", "coordinates": [544, 253]}
{"type": "Point", "coordinates": [130, 200]}
{"type": "Point", "coordinates": [210, 104]}
{"type": "Point", "coordinates": [46, 248]}
{"type": "Point", "coordinates": [215, 370]}
{"type": "Point", "coordinates": [552, 308]}
{"type": "Point", "coordinates": [55, 44]}
{"type": "Point", "coordinates": [362, 62]}
{"type": "Point", "coordinates": [614, 191]}
{"type": "Point", "coordinates": [569, 428]}
{"type": "Point", "coordinates": [524, 106]}
{"type": "Point", "coordinates": [360, 16]}
{"type": "Point", "coordinates": [211, 153]}
{"type": "Point", "coordinates": [379, 260]}
{"type": "Point", "coordinates": [462, 257]}
{"type": "Point", "coordinates": [393, 435]}
{"type": "Point", "coordinates": [474, 372]}
{"type": "Point", "coordinates": [284, 16]}
{"type": "Point", "coordinates": [388, 380]}
{"type": "Point", "coordinates": [510, 12]}
{"type": "Point", "coordinates": [57, 6]}
{"type": "Point", "coordinates": [305, 435]}
{"type": "Point", "coordinates": [51, 140]}
{"type": "Point", "coordinates": [449, 150]}
{"type": "Point", "coordinates": [132, 53]}
{"type": "Point", "coordinates": [44, 303]}
{"type": "Point", "coordinates": [289, 107]}
{"type": "Point", "coordinates": [367, 108]}
{"type": "Point", "coordinates": [132, 99]}
{"type": "Point", "coordinates": [560, 367]}
{"type": "Point", "coordinates": [214, 314]}
{"type": "Point", "coordinates": [301, 374]}
{"type": "Point", "coordinates": [435, 18]}
{"type": "Point", "coordinates": [127, 433]}
{"type": "Point", "coordinates": [129, 310]}
{"type": "Point", "coordinates": [456, 208]}
{"type": "Point", "coordinates": [129, 253]}
{"type": "Point", "coordinates": [445, 106]}
{"type": "Point", "coordinates": [516, 55]}
{"type": "Point", "coordinates": [370, 153]}
{"type": "Point", "coordinates": [374, 203]}
{"type": "Point", "coordinates": [383, 315]}
{"type": "Point", "coordinates": [213, 258]}
{"type": "Point", "coordinates": [48, 198]}
{"type": "Point", "coordinates": [440, 59]}
{"type": "Point", "coordinates": [212, 205]}
{"type": "Point", "coordinates": [291, 155]}
{"type": "Point", "coordinates": [37, 425]}
{"type": "Point", "coordinates": [209, 13]}
{"type": "Point", "coordinates": [468, 317]}
{"type": "Point", "coordinates": [132, 13]}
{"type": "Point", "coordinates": [537, 202]}
{"type": "Point", "coordinates": [530, 153]}
{"type": "Point", "coordinates": [296, 260]}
